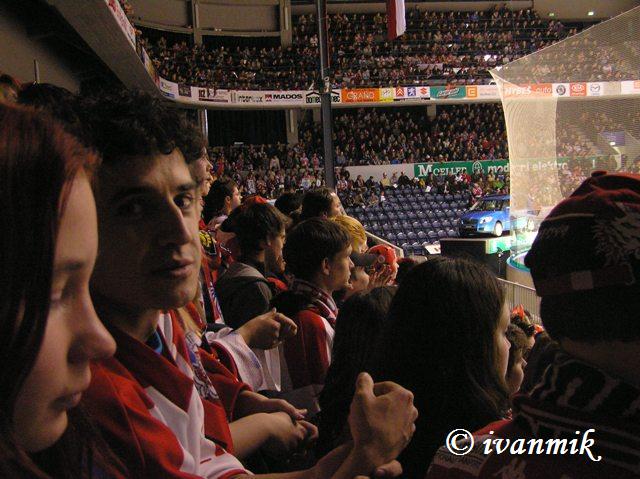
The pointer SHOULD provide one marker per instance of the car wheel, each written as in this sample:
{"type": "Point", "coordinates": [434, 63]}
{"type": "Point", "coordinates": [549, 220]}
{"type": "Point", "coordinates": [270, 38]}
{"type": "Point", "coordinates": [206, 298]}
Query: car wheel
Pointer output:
{"type": "Point", "coordinates": [497, 229]}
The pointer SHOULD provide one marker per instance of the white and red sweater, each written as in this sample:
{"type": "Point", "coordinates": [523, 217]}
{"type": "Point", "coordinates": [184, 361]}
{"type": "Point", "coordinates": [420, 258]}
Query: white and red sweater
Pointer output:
{"type": "Point", "coordinates": [149, 411]}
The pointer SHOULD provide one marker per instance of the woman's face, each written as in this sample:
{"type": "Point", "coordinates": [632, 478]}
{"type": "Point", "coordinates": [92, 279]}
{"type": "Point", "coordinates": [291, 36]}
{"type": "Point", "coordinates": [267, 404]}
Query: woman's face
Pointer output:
{"type": "Point", "coordinates": [73, 334]}
{"type": "Point", "coordinates": [516, 374]}
{"type": "Point", "coordinates": [502, 343]}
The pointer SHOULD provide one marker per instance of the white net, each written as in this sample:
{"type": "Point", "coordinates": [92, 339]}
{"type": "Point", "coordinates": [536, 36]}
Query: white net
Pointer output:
{"type": "Point", "coordinates": [570, 109]}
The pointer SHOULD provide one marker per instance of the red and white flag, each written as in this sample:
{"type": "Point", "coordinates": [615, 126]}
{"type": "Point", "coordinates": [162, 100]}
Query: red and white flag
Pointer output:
{"type": "Point", "coordinates": [396, 21]}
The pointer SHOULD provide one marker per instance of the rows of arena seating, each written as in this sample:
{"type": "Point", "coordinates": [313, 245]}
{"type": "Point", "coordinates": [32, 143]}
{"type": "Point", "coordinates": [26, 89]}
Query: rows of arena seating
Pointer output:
{"type": "Point", "coordinates": [413, 219]}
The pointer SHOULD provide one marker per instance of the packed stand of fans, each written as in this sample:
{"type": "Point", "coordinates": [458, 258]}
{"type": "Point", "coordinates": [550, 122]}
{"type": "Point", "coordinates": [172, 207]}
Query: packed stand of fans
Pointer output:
{"type": "Point", "coordinates": [210, 334]}
{"type": "Point", "coordinates": [383, 136]}
{"type": "Point", "coordinates": [437, 48]}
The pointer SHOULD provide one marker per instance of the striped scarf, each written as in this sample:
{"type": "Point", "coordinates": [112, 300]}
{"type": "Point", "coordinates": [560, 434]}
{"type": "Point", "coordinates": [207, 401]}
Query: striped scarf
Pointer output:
{"type": "Point", "coordinates": [577, 396]}
{"type": "Point", "coordinates": [319, 299]}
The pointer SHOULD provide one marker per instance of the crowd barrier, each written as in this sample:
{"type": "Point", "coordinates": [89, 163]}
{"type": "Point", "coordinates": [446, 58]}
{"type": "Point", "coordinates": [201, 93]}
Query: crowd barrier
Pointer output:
{"type": "Point", "coordinates": [519, 294]}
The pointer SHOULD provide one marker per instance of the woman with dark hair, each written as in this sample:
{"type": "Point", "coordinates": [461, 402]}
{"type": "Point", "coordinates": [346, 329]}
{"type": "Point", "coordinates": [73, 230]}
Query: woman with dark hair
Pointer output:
{"type": "Point", "coordinates": [445, 340]}
{"type": "Point", "coordinates": [358, 326]}
{"type": "Point", "coordinates": [49, 331]}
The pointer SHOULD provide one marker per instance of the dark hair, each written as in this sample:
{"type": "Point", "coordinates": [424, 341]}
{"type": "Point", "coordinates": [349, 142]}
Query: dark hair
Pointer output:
{"type": "Point", "coordinates": [288, 202]}
{"type": "Point", "coordinates": [605, 314]}
{"type": "Point", "coordinates": [256, 223]}
{"type": "Point", "coordinates": [131, 124]}
{"type": "Point", "coordinates": [59, 103]}
{"type": "Point", "coordinates": [404, 266]}
{"type": "Point", "coordinates": [310, 242]}
{"type": "Point", "coordinates": [316, 203]}
{"type": "Point", "coordinates": [358, 326]}
{"type": "Point", "coordinates": [38, 162]}
{"type": "Point", "coordinates": [214, 202]}
{"type": "Point", "coordinates": [439, 343]}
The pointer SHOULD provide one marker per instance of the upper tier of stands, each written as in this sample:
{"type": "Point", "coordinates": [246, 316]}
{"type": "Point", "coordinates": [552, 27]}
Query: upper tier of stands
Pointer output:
{"type": "Point", "coordinates": [438, 48]}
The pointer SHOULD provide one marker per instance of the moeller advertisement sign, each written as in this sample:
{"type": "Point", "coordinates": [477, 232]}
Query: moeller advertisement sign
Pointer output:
{"type": "Point", "coordinates": [453, 167]}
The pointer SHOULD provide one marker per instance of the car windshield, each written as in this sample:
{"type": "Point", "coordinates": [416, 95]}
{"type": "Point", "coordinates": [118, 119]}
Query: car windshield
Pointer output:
{"type": "Point", "coordinates": [487, 205]}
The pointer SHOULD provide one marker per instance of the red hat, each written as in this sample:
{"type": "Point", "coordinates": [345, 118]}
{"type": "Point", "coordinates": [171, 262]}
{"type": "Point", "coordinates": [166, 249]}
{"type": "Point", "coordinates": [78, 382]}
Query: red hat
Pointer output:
{"type": "Point", "coordinates": [388, 254]}
{"type": "Point", "coordinates": [591, 239]}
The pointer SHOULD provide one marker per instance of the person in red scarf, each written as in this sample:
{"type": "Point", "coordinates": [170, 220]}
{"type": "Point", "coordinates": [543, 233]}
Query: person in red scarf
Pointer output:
{"type": "Point", "coordinates": [317, 253]}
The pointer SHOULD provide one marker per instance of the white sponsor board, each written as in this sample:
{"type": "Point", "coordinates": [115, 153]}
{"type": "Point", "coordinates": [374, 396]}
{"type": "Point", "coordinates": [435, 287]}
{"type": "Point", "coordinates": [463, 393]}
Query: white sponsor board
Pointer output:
{"type": "Point", "coordinates": [631, 87]}
{"type": "Point", "coordinates": [123, 21]}
{"type": "Point", "coordinates": [560, 89]}
{"type": "Point", "coordinates": [210, 95]}
{"type": "Point", "coordinates": [595, 88]}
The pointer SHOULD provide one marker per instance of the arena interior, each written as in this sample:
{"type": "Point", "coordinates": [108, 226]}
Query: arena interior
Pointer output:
{"type": "Point", "coordinates": [320, 239]}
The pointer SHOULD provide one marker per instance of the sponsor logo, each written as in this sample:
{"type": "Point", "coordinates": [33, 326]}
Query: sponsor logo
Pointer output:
{"type": "Point", "coordinates": [424, 91]}
{"type": "Point", "coordinates": [448, 93]}
{"type": "Point", "coordinates": [561, 90]}
{"type": "Point", "coordinates": [595, 89]}
{"type": "Point", "coordinates": [184, 90]}
{"type": "Point", "coordinates": [240, 98]}
{"type": "Point", "coordinates": [411, 91]}
{"type": "Point", "coordinates": [476, 167]}
{"type": "Point", "coordinates": [537, 89]}
{"type": "Point", "coordinates": [578, 89]}
{"type": "Point", "coordinates": [386, 94]}
{"type": "Point", "coordinates": [212, 95]}
{"type": "Point", "coordinates": [361, 95]}
{"type": "Point", "coordinates": [168, 94]}
{"type": "Point", "coordinates": [269, 97]}
{"type": "Point", "coordinates": [399, 91]}
{"type": "Point", "coordinates": [472, 92]}
{"type": "Point", "coordinates": [313, 98]}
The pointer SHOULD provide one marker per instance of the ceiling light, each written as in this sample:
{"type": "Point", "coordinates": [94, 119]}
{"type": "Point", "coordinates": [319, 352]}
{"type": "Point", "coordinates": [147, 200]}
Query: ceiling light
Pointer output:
{"type": "Point", "coordinates": [591, 13]}
{"type": "Point", "coordinates": [612, 143]}
{"type": "Point", "coordinates": [551, 14]}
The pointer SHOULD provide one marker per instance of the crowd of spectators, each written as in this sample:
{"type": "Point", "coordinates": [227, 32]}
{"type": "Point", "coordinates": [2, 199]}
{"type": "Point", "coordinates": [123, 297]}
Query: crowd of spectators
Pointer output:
{"type": "Point", "coordinates": [383, 136]}
{"type": "Point", "coordinates": [200, 335]}
{"type": "Point", "coordinates": [437, 48]}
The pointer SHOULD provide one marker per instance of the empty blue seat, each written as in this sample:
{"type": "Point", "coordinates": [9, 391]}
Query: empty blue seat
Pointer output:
{"type": "Point", "coordinates": [448, 197]}
{"type": "Point", "coordinates": [451, 233]}
{"type": "Point", "coordinates": [433, 236]}
{"type": "Point", "coordinates": [442, 234]}
{"type": "Point", "coordinates": [440, 214]}
{"type": "Point", "coordinates": [401, 237]}
{"type": "Point", "coordinates": [411, 236]}
{"type": "Point", "coordinates": [436, 225]}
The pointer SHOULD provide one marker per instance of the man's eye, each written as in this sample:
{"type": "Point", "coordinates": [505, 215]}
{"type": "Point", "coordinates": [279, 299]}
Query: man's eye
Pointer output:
{"type": "Point", "coordinates": [184, 201]}
{"type": "Point", "coordinates": [131, 208]}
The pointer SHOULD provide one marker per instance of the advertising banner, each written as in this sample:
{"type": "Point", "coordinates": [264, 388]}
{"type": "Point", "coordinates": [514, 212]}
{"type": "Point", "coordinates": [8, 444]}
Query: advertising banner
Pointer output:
{"type": "Point", "coordinates": [528, 90]}
{"type": "Point", "coordinates": [595, 88]}
{"type": "Point", "coordinates": [387, 94]}
{"type": "Point", "coordinates": [631, 87]}
{"type": "Point", "coordinates": [123, 21]}
{"type": "Point", "coordinates": [210, 95]}
{"type": "Point", "coordinates": [561, 89]}
{"type": "Point", "coordinates": [313, 97]}
{"type": "Point", "coordinates": [402, 93]}
{"type": "Point", "coordinates": [448, 92]}
{"type": "Point", "coordinates": [360, 95]}
{"type": "Point", "coordinates": [168, 88]}
{"type": "Point", "coordinates": [454, 167]}
{"type": "Point", "coordinates": [578, 89]}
